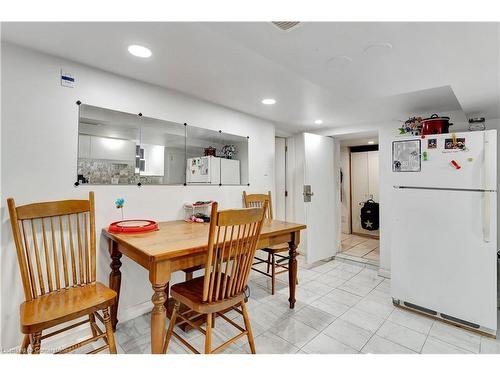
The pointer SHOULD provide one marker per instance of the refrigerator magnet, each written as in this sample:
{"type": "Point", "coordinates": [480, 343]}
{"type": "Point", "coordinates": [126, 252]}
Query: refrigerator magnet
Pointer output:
{"type": "Point", "coordinates": [454, 144]}
{"type": "Point", "coordinates": [406, 156]}
{"type": "Point", "coordinates": [455, 165]}
{"type": "Point", "coordinates": [432, 143]}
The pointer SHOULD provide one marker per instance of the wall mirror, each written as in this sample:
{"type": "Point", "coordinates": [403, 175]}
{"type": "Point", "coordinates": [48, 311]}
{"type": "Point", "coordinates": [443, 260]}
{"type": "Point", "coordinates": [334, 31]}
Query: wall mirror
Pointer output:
{"type": "Point", "coordinates": [123, 148]}
{"type": "Point", "coordinates": [234, 153]}
{"type": "Point", "coordinates": [215, 158]}
{"type": "Point", "coordinates": [161, 155]}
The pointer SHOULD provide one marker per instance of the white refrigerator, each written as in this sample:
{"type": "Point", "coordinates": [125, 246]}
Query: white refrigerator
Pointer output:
{"type": "Point", "coordinates": [203, 170]}
{"type": "Point", "coordinates": [444, 234]}
{"type": "Point", "coordinates": [213, 170]}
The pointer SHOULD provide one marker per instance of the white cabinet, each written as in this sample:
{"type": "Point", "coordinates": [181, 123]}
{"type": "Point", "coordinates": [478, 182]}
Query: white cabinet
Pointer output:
{"type": "Point", "coordinates": [84, 146]}
{"type": "Point", "coordinates": [154, 160]}
{"type": "Point", "coordinates": [103, 148]}
{"type": "Point", "coordinates": [364, 185]}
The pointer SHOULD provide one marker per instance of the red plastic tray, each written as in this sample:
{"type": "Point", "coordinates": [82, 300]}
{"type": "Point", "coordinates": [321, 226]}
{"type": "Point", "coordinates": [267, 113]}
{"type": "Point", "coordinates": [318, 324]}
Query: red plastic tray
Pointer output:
{"type": "Point", "coordinates": [133, 226]}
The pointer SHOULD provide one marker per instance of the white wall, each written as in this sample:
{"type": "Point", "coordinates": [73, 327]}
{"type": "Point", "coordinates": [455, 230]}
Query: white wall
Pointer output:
{"type": "Point", "coordinates": [39, 156]}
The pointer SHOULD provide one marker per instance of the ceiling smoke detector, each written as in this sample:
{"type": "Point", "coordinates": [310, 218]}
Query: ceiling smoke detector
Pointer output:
{"type": "Point", "coordinates": [285, 25]}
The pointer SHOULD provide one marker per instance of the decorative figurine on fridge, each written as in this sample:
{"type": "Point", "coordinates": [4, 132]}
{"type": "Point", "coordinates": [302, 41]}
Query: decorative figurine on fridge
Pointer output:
{"type": "Point", "coordinates": [412, 126]}
{"type": "Point", "coordinates": [229, 151]}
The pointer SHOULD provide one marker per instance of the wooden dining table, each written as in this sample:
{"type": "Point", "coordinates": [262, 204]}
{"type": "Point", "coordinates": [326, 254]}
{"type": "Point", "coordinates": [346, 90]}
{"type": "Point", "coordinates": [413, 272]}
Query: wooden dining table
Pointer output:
{"type": "Point", "coordinates": [178, 245]}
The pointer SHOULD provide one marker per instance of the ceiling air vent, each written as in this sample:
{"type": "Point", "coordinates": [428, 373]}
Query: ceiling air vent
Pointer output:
{"type": "Point", "coordinates": [285, 25]}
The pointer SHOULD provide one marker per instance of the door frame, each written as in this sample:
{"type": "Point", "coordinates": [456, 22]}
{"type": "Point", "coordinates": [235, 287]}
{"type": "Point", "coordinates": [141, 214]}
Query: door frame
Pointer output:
{"type": "Point", "coordinates": [287, 195]}
{"type": "Point", "coordinates": [355, 149]}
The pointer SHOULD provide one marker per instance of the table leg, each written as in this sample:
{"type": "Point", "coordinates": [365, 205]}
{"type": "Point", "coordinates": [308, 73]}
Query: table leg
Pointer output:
{"type": "Point", "coordinates": [115, 279]}
{"type": "Point", "coordinates": [292, 271]}
{"type": "Point", "coordinates": [158, 316]}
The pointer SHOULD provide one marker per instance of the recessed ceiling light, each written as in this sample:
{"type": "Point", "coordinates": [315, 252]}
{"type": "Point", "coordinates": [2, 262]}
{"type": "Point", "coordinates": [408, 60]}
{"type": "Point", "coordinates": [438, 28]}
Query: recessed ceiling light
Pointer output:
{"type": "Point", "coordinates": [139, 51]}
{"type": "Point", "coordinates": [371, 142]}
{"type": "Point", "coordinates": [318, 122]}
{"type": "Point", "coordinates": [268, 101]}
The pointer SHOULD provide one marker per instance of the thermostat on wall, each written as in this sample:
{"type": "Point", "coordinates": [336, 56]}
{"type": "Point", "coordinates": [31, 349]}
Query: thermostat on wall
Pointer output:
{"type": "Point", "coordinates": [67, 79]}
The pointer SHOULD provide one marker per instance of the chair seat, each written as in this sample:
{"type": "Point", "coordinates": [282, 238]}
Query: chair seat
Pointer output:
{"type": "Point", "coordinates": [57, 307]}
{"type": "Point", "coordinates": [190, 293]}
{"type": "Point", "coordinates": [192, 269]}
{"type": "Point", "coordinates": [276, 248]}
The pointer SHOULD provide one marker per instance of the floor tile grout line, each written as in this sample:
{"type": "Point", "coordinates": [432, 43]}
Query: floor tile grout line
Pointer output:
{"type": "Point", "coordinates": [397, 343]}
{"type": "Point", "coordinates": [300, 348]}
{"type": "Point", "coordinates": [402, 325]}
{"type": "Point", "coordinates": [369, 250]}
{"type": "Point", "coordinates": [449, 343]}
{"type": "Point", "coordinates": [344, 251]}
{"type": "Point", "coordinates": [374, 333]}
{"type": "Point", "coordinates": [426, 338]}
{"type": "Point", "coordinates": [333, 338]}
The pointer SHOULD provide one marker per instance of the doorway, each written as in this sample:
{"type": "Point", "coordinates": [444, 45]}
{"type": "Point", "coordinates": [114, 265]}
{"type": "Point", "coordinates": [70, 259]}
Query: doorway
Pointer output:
{"type": "Point", "coordinates": [359, 200]}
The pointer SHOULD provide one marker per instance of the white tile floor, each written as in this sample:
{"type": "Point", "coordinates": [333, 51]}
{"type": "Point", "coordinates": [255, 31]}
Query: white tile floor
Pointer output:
{"type": "Point", "coordinates": [341, 308]}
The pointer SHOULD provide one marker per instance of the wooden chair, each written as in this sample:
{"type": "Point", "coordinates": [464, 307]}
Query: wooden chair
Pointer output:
{"type": "Point", "coordinates": [232, 242]}
{"type": "Point", "coordinates": [275, 260]}
{"type": "Point", "coordinates": [56, 251]}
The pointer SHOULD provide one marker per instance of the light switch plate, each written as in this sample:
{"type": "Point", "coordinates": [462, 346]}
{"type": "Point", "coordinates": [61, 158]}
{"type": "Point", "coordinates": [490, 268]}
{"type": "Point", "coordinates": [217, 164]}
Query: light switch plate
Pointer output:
{"type": "Point", "coordinates": [67, 79]}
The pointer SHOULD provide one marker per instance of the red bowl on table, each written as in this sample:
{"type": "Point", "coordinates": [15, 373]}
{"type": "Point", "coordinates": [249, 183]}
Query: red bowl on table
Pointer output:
{"type": "Point", "coordinates": [133, 226]}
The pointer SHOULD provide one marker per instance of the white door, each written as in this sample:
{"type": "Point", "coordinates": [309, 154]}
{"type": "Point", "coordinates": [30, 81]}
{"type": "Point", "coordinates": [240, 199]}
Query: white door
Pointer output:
{"type": "Point", "coordinates": [320, 215]}
{"type": "Point", "coordinates": [364, 186]}
{"type": "Point", "coordinates": [280, 179]}
{"type": "Point", "coordinates": [373, 175]}
{"type": "Point", "coordinates": [359, 187]}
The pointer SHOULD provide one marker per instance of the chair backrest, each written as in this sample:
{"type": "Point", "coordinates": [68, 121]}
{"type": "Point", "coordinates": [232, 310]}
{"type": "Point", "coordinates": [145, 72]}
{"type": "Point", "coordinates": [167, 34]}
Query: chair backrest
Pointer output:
{"type": "Point", "coordinates": [54, 239]}
{"type": "Point", "coordinates": [232, 242]}
{"type": "Point", "coordinates": [258, 200]}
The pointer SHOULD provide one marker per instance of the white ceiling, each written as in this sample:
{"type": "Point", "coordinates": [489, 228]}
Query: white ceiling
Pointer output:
{"type": "Point", "coordinates": [432, 67]}
{"type": "Point", "coordinates": [359, 139]}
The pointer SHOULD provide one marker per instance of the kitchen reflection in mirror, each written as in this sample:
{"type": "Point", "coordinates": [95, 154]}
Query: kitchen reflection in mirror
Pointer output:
{"type": "Point", "coordinates": [123, 148]}
{"type": "Point", "coordinates": [215, 158]}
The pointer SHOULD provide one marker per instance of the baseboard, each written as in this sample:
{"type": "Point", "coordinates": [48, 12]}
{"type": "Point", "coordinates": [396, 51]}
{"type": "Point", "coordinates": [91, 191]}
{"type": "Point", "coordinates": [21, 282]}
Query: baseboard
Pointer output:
{"type": "Point", "coordinates": [133, 312]}
{"type": "Point", "coordinates": [384, 273]}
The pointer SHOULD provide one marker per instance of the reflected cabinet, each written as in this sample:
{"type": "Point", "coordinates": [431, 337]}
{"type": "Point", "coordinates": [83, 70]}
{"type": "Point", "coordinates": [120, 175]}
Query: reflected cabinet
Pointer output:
{"type": "Point", "coordinates": [119, 148]}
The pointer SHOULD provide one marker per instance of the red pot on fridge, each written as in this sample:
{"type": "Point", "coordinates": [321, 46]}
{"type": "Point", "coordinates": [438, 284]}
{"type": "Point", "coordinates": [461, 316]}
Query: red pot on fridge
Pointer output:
{"type": "Point", "coordinates": [435, 125]}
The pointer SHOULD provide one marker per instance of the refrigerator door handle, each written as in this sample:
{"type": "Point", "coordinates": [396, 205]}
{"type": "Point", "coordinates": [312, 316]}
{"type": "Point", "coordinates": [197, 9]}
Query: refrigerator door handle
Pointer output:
{"type": "Point", "coordinates": [486, 161]}
{"type": "Point", "coordinates": [486, 217]}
